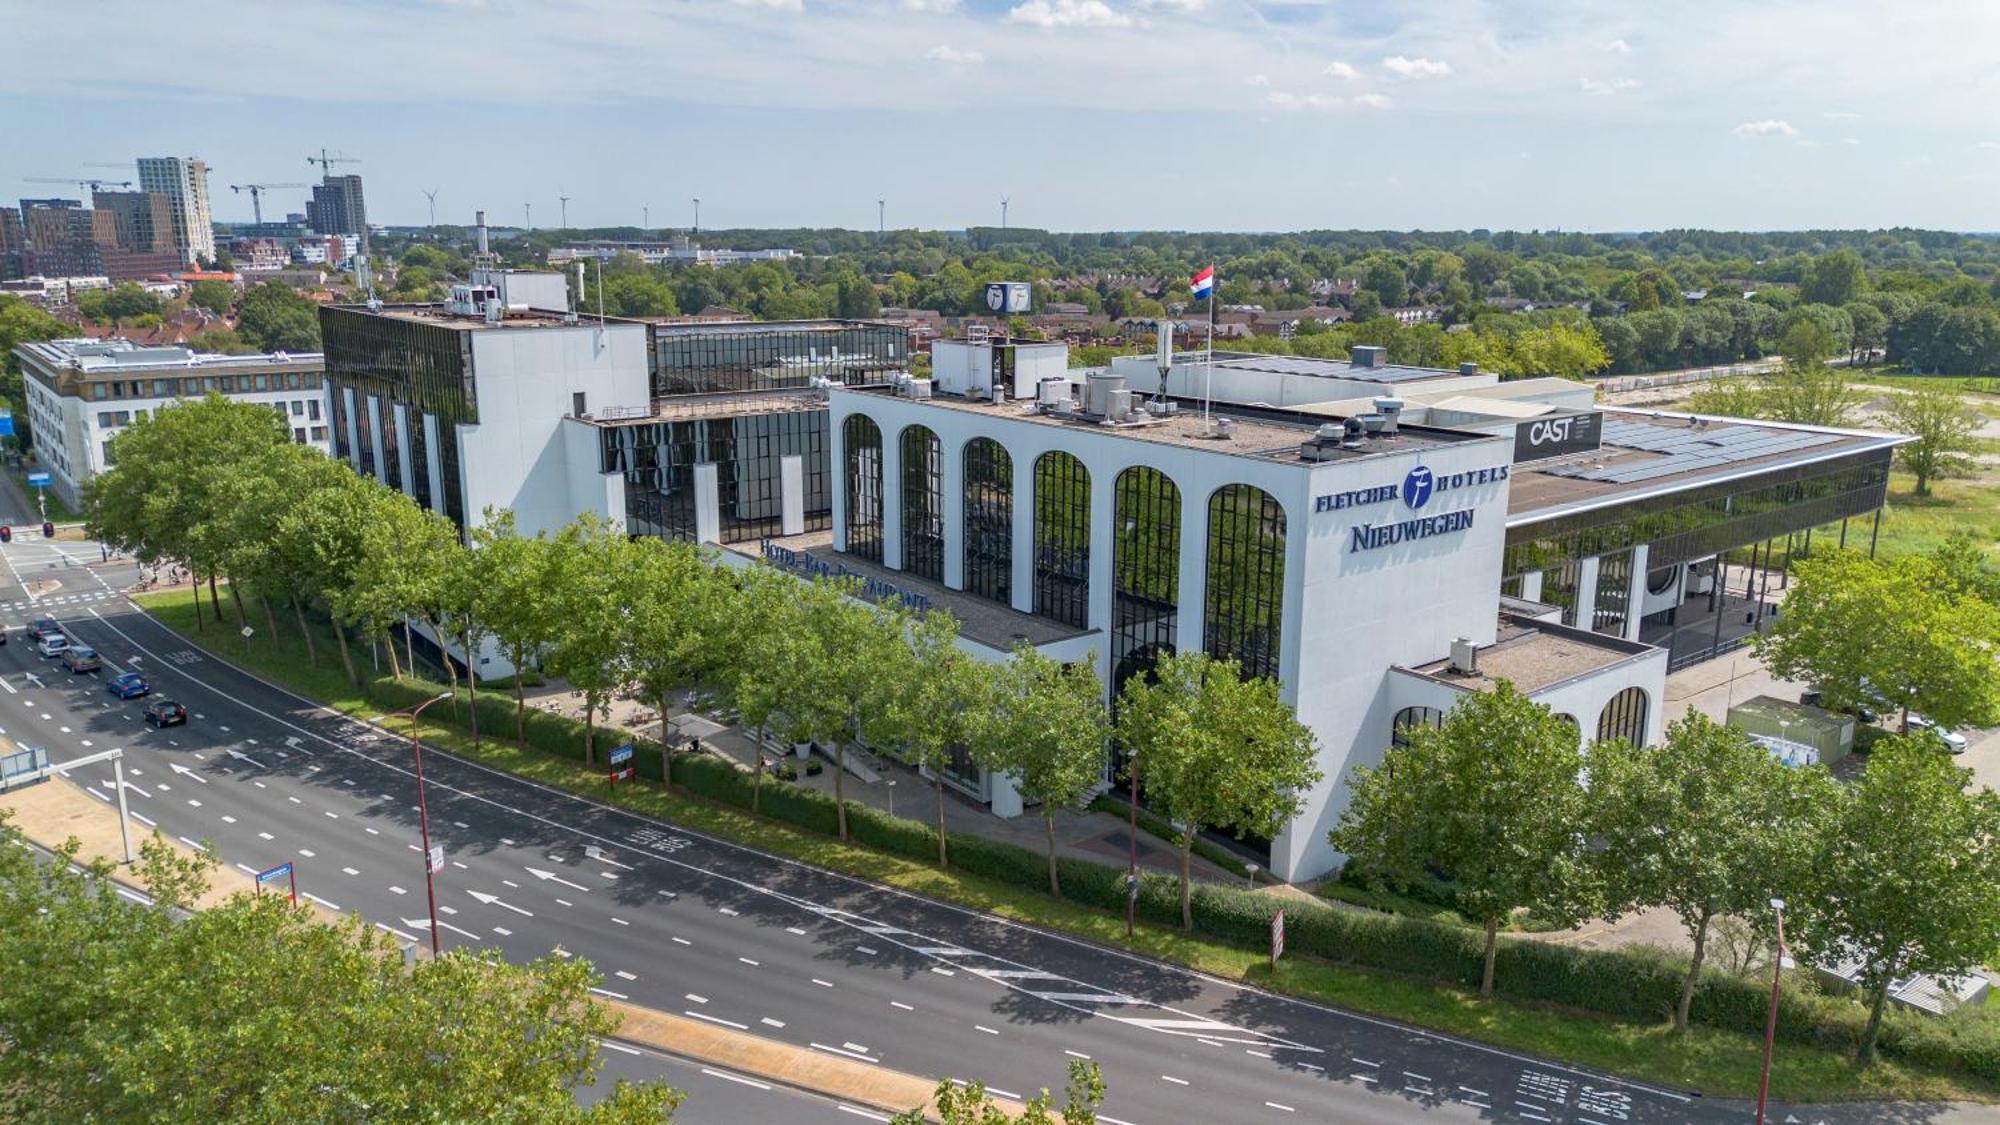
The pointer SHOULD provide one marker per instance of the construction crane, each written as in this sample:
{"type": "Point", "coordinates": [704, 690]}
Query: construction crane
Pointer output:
{"type": "Point", "coordinates": [257, 196]}
{"type": "Point", "coordinates": [326, 162]}
{"type": "Point", "coordinates": [81, 182]}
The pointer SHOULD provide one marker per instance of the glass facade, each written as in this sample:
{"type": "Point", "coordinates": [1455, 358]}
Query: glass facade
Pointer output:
{"type": "Point", "coordinates": [1145, 571]}
{"type": "Point", "coordinates": [989, 520]}
{"type": "Point", "coordinates": [392, 449]}
{"type": "Point", "coordinates": [923, 503]}
{"type": "Point", "coordinates": [774, 355]}
{"type": "Point", "coordinates": [1614, 594]}
{"type": "Point", "coordinates": [1624, 717]}
{"type": "Point", "coordinates": [1706, 521]}
{"type": "Point", "coordinates": [1559, 588]}
{"type": "Point", "coordinates": [1410, 718]}
{"type": "Point", "coordinates": [1062, 539]}
{"type": "Point", "coordinates": [426, 367]}
{"type": "Point", "coordinates": [863, 439]}
{"type": "Point", "coordinates": [1244, 599]}
{"type": "Point", "coordinates": [657, 460]}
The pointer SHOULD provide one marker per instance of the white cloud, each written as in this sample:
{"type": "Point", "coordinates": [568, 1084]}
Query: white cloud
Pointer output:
{"type": "Point", "coordinates": [1989, 146]}
{"type": "Point", "coordinates": [1174, 5]}
{"type": "Point", "coordinates": [939, 6]}
{"type": "Point", "coordinates": [1069, 13]}
{"type": "Point", "coordinates": [774, 5]}
{"type": "Point", "coordinates": [1607, 87]}
{"type": "Point", "coordinates": [1403, 67]}
{"type": "Point", "coordinates": [1257, 80]}
{"type": "Point", "coordinates": [1771, 128]}
{"type": "Point", "coordinates": [1618, 47]}
{"type": "Point", "coordinates": [1850, 140]}
{"type": "Point", "coordinates": [1279, 99]}
{"type": "Point", "coordinates": [1840, 115]}
{"type": "Point", "coordinates": [1372, 101]}
{"type": "Point", "coordinates": [1342, 71]}
{"type": "Point", "coordinates": [952, 56]}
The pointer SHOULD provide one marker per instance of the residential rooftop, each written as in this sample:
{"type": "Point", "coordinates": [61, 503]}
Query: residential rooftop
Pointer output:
{"type": "Point", "coordinates": [116, 357]}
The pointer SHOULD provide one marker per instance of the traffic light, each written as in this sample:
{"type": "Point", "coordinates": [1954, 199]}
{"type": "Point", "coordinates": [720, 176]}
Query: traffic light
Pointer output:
{"type": "Point", "coordinates": [48, 530]}
{"type": "Point", "coordinates": [6, 534]}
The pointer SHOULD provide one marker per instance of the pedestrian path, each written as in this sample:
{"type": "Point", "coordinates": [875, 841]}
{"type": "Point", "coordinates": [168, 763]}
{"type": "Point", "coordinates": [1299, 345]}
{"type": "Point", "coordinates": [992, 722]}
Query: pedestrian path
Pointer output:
{"type": "Point", "coordinates": [63, 599]}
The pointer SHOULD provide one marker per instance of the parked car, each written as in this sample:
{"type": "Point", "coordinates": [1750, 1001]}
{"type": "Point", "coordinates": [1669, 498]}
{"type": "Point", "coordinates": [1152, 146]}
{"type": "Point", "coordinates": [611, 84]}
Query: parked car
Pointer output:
{"type": "Point", "coordinates": [1814, 697]}
{"type": "Point", "coordinates": [1952, 739]}
{"type": "Point", "coordinates": [81, 658]}
{"type": "Point", "coordinates": [165, 713]}
{"type": "Point", "coordinates": [51, 644]}
{"type": "Point", "coordinates": [128, 685]}
{"type": "Point", "coordinates": [41, 627]}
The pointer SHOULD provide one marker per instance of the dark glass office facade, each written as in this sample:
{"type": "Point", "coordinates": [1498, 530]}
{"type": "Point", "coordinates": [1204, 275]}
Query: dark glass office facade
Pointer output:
{"type": "Point", "coordinates": [923, 503]}
{"type": "Point", "coordinates": [1614, 594]}
{"type": "Point", "coordinates": [1244, 597]}
{"type": "Point", "coordinates": [774, 355]}
{"type": "Point", "coordinates": [1145, 571]}
{"type": "Point", "coordinates": [989, 521]}
{"type": "Point", "coordinates": [863, 441]}
{"type": "Point", "coordinates": [1062, 539]}
{"type": "Point", "coordinates": [425, 366]}
{"type": "Point", "coordinates": [658, 459]}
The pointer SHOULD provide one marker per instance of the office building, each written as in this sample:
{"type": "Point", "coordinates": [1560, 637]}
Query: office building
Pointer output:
{"type": "Point", "coordinates": [13, 245]}
{"type": "Point", "coordinates": [81, 393]}
{"type": "Point", "coordinates": [184, 181]}
{"type": "Point", "coordinates": [143, 220]}
{"type": "Point", "coordinates": [336, 207]}
{"type": "Point", "coordinates": [64, 238]}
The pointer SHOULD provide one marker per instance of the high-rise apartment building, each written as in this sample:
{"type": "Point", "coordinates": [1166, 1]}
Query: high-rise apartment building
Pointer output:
{"type": "Point", "coordinates": [13, 244]}
{"type": "Point", "coordinates": [143, 221]}
{"type": "Point", "coordinates": [64, 238]}
{"type": "Point", "coordinates": [184, 181]}
{"type": "Point", "coordinates": [336, 207]}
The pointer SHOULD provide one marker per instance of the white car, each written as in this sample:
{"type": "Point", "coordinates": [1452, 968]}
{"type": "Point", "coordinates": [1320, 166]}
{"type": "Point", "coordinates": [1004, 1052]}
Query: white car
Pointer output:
{"type": "Point", "coordinates": [51, 644]}
{"type": "Point", "coordinates": [1952, 739]}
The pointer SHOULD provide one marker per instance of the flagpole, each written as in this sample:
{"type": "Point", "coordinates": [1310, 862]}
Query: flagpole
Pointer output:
{"type": "Point", "coordinates": [1208, 360]}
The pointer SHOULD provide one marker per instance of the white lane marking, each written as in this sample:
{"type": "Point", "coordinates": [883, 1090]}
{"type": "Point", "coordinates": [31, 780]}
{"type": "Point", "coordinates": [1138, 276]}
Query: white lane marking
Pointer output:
{"type": "Point", "coordinates": [1172, 1079]}
{"type": "Point", "coordinates": [550, 876]}
{"type": "Point", "coordinates": [1473, 1092]}
{"type": "Point", "coordinates": [1419, 1077]}
{"type": "Point", "coordinates": [186, 772]}
{"type": "Point", "coordinates": [1286, 1108]}
{"type": "Point", "coordinates": [984, 1028]}
{"type": "Point", "coordinates": [844, 1051]}
{"type": "Point", "coordinates": [349, 871]}
{"type": "Point", "coordinates": [496, 900]}
{"type": "Point", "coordinates": [226, 819]}
{"type": "Point", "coordinates": [142, 818]}
{"type": "Point", "coordinates": [892, 1003]}
{"type": "Point", "coordinates": [511, 883]}
{"type": "Point", "coordinates": [306, 852]}
{"type": "Point", "coordinates": [620, 921]}
{"type": "Point", "coordinates": [321, 901]}
{"type": "Point", "coordinates": [613, 995]}
{"type": "Point", "coordinates": [749, 962]}
{"type": "Point", "coordinates": [424, 924]}
{"type": "Point", "coordinates": [694, 999]}
{"type": "Point", "coordinates": [719, 1020]}
{"type": "Point", "coordinates": [246, 869]}
{"type": "Point", "coordinates": [769, 1022]}
{"type": "Point", "coordinates": [682, 941]}
{"type": "Point", "coordinates": [1259, 1054]}
{"type": "Point", "coordinates": [194, 803]}
{"type": "Point", "coordinates": [503, 931]}
{"type": "Point", "coordinates": [565, 902]}
{"type": "Point", "coordinates": [1362, 1061]}
{"type": "Point", "coordinates": [331, 815]}
{"type": "Point", "coordinates": [393, 889]}
{"type": "Point", "coordinates": [795, 930]}
{"type": "Point", "coordinates": [189, 843]}
{"type": "Point", "coordinates": [98, 795]}
{"type": "Point", "coordinates": [944, 972]}
{"type": "Point", "coordinates": [873, 1116]}
{"type": "Point", "coordinates": [737, 1078]}
{"type": "Point", "coordinates": [725, 910]}
{"type": "Point", "coordinates": [1076, 1054]}
{"type": "Point", "coordinates": [609, 1045]}
{"type": "Point", "coordinates": [822, 983]}
{"type": "Point", "coordinates": [864, 949]}
{"type": "Point", "coordinates": [370, 831]}
{"type": "Point", "coordinates": [265, 836]}
{"type": "Point", "coordinates": [1363, 1077]}
{"type": "Point", "coordinates": [623, 975]}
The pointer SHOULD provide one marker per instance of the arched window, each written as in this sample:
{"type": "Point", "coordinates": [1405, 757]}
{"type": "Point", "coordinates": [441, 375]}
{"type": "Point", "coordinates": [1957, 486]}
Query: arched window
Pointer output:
{"type": "Point", "coordinates": [1243, 608]}
{"type": "Point", "coordinates": [989, 520]}
{"type": "Point", "coordinates": [1145, 571]}
{"type": "Point", "coordinates": [1062, 539]}
{"type": "Point", "coordinates": [923, 503]}
{"type": "Point", "coordinates": [863, 440]}
{"type": "Point", "coordinates": [1409, 719]}
{"type": "Point", "coordinates": [1624, 717]}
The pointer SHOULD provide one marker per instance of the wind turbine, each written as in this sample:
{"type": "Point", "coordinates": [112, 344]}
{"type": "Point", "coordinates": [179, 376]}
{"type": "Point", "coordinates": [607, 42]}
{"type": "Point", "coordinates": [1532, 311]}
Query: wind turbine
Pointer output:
{"type": "Point", "coordinates": [1003, 212]}
{"type": "Point", "coordinates": [565, 208]}
{"type": "Point", "coordinates": [432, 195]}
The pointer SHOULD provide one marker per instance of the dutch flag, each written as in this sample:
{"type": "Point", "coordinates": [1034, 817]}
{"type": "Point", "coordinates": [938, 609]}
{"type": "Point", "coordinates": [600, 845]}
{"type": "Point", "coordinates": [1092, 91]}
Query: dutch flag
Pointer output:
{"type": "Point", "coordinates": [1203, 284]}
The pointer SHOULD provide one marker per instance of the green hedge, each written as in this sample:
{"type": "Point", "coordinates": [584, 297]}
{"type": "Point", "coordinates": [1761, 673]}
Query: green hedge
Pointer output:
{"type": "Point", "coordinates": [1637, 985]}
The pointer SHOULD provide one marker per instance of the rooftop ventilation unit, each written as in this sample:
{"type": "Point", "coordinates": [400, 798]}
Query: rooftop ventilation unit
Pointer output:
{"type": "Point", "coordinates": [1391, 410]}
{"type": "Point", "coordinates": [1464, 656]}
{"type": "Point", "coordinates": [1468, 369]}
{"type": "Point", "coordinates": [1368, 355]}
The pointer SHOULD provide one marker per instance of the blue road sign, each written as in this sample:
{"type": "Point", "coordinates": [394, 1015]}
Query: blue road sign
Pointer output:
{"type": "Point", "coordinates": [621, 755]}
{"type": "Point", "coordinates": [39, 480]}
{"type": "Point", "coordinates": [277, 872]}
{"type": "Point", "coordinates": [6, 423]}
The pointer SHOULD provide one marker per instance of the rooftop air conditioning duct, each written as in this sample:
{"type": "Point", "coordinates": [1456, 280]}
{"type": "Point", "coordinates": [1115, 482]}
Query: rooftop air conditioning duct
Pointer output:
{"type": "Point", "coordinates": [1468, 369]}
{"type": "Point", "coordinates": [1391, 410]}
{"type": "Point", "coordinates": [1368, 355]}
{"type": "Point", "coordinates": [1372, 423]}
{"type": "Point", "coordinates": [1464, 656]}
{"type": "Point", "coordinates": [1352, 433]}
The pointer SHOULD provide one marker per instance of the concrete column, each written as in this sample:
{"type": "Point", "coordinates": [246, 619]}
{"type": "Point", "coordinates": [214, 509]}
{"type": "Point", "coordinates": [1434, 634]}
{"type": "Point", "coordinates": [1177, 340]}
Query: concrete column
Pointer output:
{"type": "Point", "coordinates": [1637, 597]}
{"type": "Point", "coordinates": [791, 494]}
{"type": "Point", "coordinates": [1006, 802]}
{"type": "Point", "coordinates": [951, 478]}
{"type": "Point", "coordinates": [836, 444]}
{"type": "Point", "coordinates": [1531, 586]}
{"type": "Point", "coordinates": [1103, 511]}
{"type": "Point", "coordinates": [707, 504]}
{"type": "Point", "coordinates": [375, 438]}
{"type": "Point", "coordinates": [1586, 592]}
{"type": "Point", "coordinates": [353, 426]}
{"type": "Point", "coordinates": [434, 461]}
{"type": "Point", "coordinates": [892, 499]}
{"type": "Point", "coordinates": [405, 472]}
{"type": "Point", "coordinates": [1024, 532]}
{"type": "Point", "coordinates": [1193, 586]}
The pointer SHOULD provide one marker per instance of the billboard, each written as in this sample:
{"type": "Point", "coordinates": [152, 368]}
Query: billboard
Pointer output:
{"type": "Point", "coordinates": [1557, 434]}
{"type": "Point", "coordinates": [1009, 297]}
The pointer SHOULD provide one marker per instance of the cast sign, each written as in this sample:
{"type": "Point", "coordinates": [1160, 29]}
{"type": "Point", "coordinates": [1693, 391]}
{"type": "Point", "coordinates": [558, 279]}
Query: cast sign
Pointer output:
{"type": "Point", "coordinates": [1553, 437]}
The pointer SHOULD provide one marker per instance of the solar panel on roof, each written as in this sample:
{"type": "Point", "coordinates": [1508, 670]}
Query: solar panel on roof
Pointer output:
{"type": "Point", "coordinates": [1687, 449]}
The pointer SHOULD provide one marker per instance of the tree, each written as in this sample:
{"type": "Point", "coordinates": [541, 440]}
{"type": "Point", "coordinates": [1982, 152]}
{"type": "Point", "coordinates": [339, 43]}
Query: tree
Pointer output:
{"type": "Point", "coordinates": [127, 300]}
{"type": "Point", "coordinates": [1508, 770]}
{"type": "Point", "coordinates": [770, 629]}
{"type": "Point", "coordinates": [1911, 874]}
{"type": "Point", "coordinates": [215, 296]}
{"type": "Point", "coordinates": [405, 557]}
{"type": "Point", "coordinates": [1946, 434]}
{"type": "Point", "coordinates": [1889, 635]}
{"type": "Point", "coordinates": [671, 635]}
{"type": "Point", "coordinates": [1833, 279]}
{"type": "Point", "coordinates": [832, 678]}
{"type": "Point", "coordinates": [276, 319]}
{"type": "Point", "coordinates": [1215, 750]}
{"type": "Point", "coordinates": [273, 1015]}
{"type": "Point", "coordinates": [970, 1104]}
{"type": "Point", "coordinates": [1810, 394]}
{"type": "Point", "coordinates": [1708, 824]}
{"type": "Point", "coordinates": [932, 700]}
{"type": "Point", "coordinates": [588, 619]}
{"type": "Point", "coordinates": [517, 603]}
{"type": "Point", "coordinates": [1730, 398]}
{"type": "Point", "coordinates": [1046, 730]}
{"type": "Point", "coordinates": [1871, 329]}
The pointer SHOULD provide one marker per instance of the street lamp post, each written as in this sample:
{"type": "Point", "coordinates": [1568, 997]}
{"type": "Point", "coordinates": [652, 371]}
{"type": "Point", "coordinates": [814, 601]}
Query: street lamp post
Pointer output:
{"type": "Point", "coordinates": [1771, 1022]}
{"type": "Point", "coordinates": [1132, 829]}
{"type": "Point", "coordinates": [424, 814]}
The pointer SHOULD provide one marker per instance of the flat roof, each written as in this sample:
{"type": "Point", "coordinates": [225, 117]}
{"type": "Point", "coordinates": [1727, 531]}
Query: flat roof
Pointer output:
{"type": "Point", "coordinates": [1648, 452]}
{"type": "Point", "coordinates": [1320, 368]}
{"type": "Point", "coordinates": [979, 619]}
{"type": "Point", "coordinates": [676, 326]}
{"type": "Point", "coordinates": [1536, 655]}
{"type": "Point", "coordinates": [1253, 433]}
{"type": "Point", "coordinates": [441, 316]}
{"type": "Point", "coordinates": [116, 357]}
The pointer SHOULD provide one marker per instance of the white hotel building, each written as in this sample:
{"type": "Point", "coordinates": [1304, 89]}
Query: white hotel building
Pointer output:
{"type": "Point", "coordinates": [1379, 539]}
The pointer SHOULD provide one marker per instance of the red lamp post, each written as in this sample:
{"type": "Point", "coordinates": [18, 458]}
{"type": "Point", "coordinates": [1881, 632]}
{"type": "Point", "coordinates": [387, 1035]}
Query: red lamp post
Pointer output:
{"type": "Point", "coordinates": [1771, 1022]}
{"type": "Point", "coordinates": [424, 815]}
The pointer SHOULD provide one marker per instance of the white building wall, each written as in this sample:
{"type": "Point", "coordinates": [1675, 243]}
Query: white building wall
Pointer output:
{"type": "Point", "coordinates": [517, 456]}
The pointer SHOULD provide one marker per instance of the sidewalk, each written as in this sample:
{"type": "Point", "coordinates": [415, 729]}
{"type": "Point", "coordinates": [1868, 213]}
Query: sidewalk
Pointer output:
{"type": "Point", "coordinates": [1080, 834]}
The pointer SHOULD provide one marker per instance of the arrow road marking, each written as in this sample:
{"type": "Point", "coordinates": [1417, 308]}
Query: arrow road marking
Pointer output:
{"type": "Point", "coordinates": [244, 757]}
{"type": "Point", "coordinates": [597, 853]}
{"type": "Point", "coordinates": [187, 773]}
{"type": "Point", "coordinates": [550, 875]}
{"type": "Point", "coordinates": [495, 900]}
{"type": "Point", "coordinates": [424, 924]}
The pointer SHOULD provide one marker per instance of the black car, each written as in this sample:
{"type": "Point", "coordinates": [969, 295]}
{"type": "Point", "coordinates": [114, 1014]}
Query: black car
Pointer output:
{"type": "Point", "coordinates": [165, 713]}
{"type": "Point", "coordinates": [42, 627]}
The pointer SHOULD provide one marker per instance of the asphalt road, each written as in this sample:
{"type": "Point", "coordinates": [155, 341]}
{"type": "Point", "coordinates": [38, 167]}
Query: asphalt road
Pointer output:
{"type": "Point", "coordinates": [684, 923]}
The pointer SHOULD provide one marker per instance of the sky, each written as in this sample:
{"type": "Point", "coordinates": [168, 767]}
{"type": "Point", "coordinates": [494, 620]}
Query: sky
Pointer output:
{"type": "Point", "coordinates": [1085, 114]}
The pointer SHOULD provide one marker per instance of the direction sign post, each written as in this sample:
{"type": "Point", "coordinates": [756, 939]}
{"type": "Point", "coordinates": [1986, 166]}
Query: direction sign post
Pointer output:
{"type": "Point", "coordinates": [619, 763]}
{"type": "Point", "coordinates": [282, 871]}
